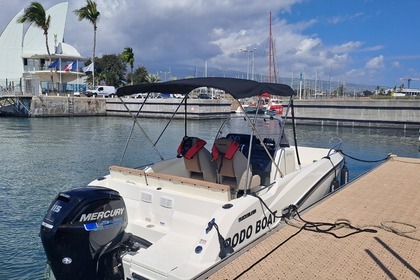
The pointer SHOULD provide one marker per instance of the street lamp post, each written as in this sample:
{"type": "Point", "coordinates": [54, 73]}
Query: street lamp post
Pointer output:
{"type": "Point", "coordinates": [247, 64]}
{"type": "Point", "coordinates": [165, 73]}
{"type": "Point", "coordinates": [224, 70]}
{"type": "Point", "coordinates": [253, 58]}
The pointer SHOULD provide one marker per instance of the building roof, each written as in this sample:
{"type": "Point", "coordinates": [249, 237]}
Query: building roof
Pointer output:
{"type": "Point", "coordinates": [63, 51]}
{"type": "Point", "coordinates": [11, 66]}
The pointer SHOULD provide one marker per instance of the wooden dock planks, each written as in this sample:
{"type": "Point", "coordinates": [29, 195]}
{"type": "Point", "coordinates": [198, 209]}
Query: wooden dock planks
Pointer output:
{"type": "Point", "coordinates": [390, 192]}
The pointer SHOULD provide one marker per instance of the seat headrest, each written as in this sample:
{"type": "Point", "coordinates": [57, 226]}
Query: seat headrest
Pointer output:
{"type": "Point", "coordinates": [222, 144]}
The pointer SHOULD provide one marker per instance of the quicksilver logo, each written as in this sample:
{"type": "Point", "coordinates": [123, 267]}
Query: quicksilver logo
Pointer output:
{"type": "Point", "coordinates": [101, 215]}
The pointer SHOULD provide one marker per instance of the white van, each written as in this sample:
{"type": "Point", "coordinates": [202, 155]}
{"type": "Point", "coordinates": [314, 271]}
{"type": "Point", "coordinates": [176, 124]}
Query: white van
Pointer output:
{"type": "Point", "coordinates": [104, 91]}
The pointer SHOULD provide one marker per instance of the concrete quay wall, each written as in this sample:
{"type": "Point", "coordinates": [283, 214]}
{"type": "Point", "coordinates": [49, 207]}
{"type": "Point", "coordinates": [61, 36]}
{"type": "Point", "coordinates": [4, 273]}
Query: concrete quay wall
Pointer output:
{"type": "Point", "coordinates": [61, 106]}
{"type": "Point", "coordinates": [403, 114]}
{"type": "Point", "coordinates": [165, 108]}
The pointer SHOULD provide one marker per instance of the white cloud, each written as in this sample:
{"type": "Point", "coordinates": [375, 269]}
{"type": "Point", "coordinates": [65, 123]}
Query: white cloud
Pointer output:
{"type": "Point", "coordinates": [309, 45]}
{"type": "Point", "coordinates": [396, 64]}
{"type": "Point", "coordinates": [376, 63]}
{"type": "Point", "coordinates": [347, 47]}
{"type": "Point", "coordinates": [343, 18]}
{"type": "Point", "coordinates": [166, 33]}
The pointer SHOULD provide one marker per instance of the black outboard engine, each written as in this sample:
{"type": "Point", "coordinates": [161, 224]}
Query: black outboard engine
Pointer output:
{"type": "Point", "coordinates": [82, 232]}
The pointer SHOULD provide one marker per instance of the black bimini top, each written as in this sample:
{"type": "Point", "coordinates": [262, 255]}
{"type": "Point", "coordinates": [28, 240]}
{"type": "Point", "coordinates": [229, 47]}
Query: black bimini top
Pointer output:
{"type": "Point", "coordinates": [238, 88]}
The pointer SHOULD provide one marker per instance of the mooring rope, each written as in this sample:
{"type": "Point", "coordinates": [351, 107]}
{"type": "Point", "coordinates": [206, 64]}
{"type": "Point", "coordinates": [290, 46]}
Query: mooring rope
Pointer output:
{"type": "Point", "coordinates": [364, 160]}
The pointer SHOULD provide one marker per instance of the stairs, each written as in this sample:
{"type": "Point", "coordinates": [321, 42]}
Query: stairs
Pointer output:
{"type": "Point", "coordinates": [71, 106]}
{"type": "Point", "coordinates": [11, 105]}
{"type": "Point", "coordinates": [7, 101]}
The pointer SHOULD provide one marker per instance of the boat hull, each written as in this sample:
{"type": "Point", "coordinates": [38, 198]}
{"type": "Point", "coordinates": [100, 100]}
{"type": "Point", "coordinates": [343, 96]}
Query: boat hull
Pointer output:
{"type": "Point", "coordinates": [181, 247]}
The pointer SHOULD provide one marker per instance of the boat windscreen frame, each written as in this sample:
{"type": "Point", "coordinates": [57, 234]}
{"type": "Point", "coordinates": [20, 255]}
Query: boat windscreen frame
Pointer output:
{"type": "Point", "coordinates": [252, 122]}
{"type": "Point", "coordinates": [135, 122]}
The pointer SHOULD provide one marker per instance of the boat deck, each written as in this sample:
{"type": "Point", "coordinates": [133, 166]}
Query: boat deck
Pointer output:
{"type": "Point", "coordinates": [387, 198]}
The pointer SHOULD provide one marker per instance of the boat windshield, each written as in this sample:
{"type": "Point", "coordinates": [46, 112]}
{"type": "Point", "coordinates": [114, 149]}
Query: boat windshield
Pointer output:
{"type": "Point", "coordinates": [270, 130]}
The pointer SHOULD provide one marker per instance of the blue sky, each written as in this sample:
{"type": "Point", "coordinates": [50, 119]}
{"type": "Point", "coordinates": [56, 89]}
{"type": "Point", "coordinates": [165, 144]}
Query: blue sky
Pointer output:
{"type": "Point", "coordinates": [372, 42]}
{"type": "Point", "coordinates": [383, 36]}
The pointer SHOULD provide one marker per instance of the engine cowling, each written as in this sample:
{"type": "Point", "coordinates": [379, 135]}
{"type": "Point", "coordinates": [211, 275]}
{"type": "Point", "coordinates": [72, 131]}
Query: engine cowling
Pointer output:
{"type": "Point", "coordinates": [82, 231]}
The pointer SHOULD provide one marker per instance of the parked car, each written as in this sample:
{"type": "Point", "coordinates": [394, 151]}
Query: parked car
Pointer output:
{"type": "Point", "coordinates": [139, 95]}
{"type": "Point", "coordinates": [204, 96]}
{"type": "Point", "coordinates": [154, 95]}
{"type": "Point", "coordinates": [104, 91]}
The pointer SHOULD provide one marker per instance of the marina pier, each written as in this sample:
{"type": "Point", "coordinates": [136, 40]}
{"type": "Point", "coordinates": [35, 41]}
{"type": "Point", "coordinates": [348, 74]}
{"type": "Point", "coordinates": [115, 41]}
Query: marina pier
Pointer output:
{"type": "Point", "coordinates": [385, 200]}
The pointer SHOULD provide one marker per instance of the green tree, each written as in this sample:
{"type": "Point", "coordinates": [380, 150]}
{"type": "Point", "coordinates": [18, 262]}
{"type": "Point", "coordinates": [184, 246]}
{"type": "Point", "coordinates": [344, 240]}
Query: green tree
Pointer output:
{"type": "Point", "coordinates": [139, 75]}
{"type": "Point", "coordinates": [150, 79]}
{"type": "Point", "coordinates": [367, 93]}
{"type": "Point", "coordinates": [401, 87]}
{"type": "Point", "coordinates": [111, 70]}
{"type": "Point", "coordinates": [36, 14]}
{"type": "Point", "coordinates": [128, 57]}
{"type": "Point", "coordinates": [382, 91]}
{"type": "Point", "coordinates": [91, 14]}
{"type": "Point", "coordinates": [340, 90]}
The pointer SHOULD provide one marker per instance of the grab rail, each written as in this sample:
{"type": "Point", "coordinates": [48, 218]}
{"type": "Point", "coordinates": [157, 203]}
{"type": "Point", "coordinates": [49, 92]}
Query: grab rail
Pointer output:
{"type": "Point", "coordinates": [336, 146]}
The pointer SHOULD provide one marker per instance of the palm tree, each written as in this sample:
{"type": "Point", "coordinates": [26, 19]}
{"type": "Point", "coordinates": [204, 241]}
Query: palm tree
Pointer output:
{"type": "Point", "coordinates": [35, 14]}
{"type": "Point", "coordinates": [150, 79]}
{"type": "Point", "coordinates": [128, 57]}
{"type": "Point", "coordinates": [91, 14]}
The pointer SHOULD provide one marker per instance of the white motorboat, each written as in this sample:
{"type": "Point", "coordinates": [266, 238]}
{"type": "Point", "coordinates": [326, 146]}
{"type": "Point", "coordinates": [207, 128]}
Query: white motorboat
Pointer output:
{"type": "Point", "coordinates": [177, 218]}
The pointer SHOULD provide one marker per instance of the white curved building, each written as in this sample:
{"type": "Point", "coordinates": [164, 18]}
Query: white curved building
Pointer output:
{"type": "Point", "coordinates": [24, 59]}
{"type": "Point", "coordinates": [11, 66]}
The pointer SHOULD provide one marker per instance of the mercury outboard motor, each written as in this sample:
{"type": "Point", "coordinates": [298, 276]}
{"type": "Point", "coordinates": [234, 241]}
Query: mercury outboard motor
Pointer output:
{"type": "Point", "coordinates": [82, 232]}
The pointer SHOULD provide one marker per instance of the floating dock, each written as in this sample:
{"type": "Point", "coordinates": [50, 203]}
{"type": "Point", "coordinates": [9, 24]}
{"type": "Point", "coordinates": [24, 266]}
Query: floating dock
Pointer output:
{"type": "Point", "coordinates": [386, 200]}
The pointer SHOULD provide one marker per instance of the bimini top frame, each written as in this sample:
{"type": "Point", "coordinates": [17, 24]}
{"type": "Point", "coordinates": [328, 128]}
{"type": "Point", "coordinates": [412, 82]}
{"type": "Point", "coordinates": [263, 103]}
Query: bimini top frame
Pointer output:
{"type": "Point", "coordinates": [237, 88]}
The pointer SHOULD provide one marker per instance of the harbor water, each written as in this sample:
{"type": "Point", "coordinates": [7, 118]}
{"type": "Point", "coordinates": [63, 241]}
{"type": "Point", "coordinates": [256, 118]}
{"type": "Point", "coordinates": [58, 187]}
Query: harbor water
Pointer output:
{"type": "Point", "coordinates": [43, 156]}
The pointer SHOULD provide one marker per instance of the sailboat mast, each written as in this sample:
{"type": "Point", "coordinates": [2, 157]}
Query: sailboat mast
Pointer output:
{"type": "Point", "coordinates": [274, 61]}
{"type": "Point", "coordinates": [270, 52]}
{"type": "Point", "coordinates": [272, 72]}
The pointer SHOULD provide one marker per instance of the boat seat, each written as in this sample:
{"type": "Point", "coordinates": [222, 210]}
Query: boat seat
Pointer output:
{"type": "Point", "coordinates": [231, 165]}
{"type": "Point", "coordinates": [197, 159]}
